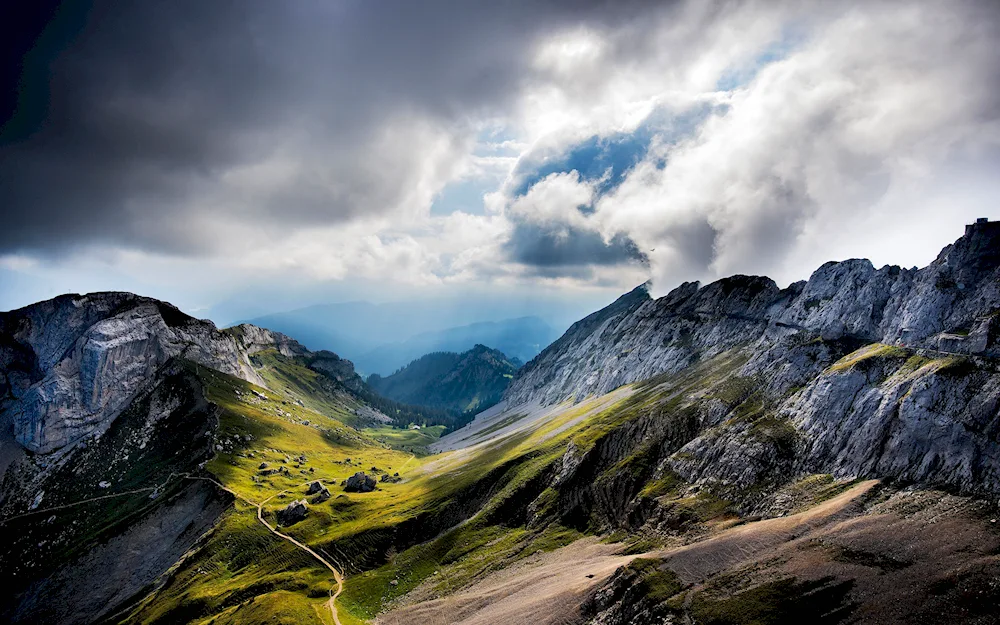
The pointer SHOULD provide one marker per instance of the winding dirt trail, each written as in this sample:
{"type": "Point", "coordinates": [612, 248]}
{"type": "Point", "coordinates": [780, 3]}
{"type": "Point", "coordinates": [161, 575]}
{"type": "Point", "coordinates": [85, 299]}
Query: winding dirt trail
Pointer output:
{"type": "Point", "coordinates": [331, 604]}
{"type": "Point", "coordinates": [336, 574]}
{"type": "Point", "coordinates": [99, 498]}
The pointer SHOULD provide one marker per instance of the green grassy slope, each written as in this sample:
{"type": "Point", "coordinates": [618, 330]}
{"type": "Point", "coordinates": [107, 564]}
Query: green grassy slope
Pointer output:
{"type": "Point", "coordinates": [239, 568]}
{"type": "Point", "coordinates": [453, 517]}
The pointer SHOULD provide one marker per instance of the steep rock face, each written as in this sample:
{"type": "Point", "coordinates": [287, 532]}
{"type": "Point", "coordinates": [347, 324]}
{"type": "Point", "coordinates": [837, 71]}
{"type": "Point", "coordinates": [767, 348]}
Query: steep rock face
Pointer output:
{"type": "Point", "coordinates": [859, 372]}
{"type": "Point", "coordinates": [72, 363]}
{"type": "Point", "coordinates": [125, 564]}
{"type": "Point", "coordinates": [935, 424]}
{"type": "Point", "coordinates": [127, 540]}
{"type": "Point", "coordinates": [952, 304]}
{"type": "Point", "coordinates": [637, 337]}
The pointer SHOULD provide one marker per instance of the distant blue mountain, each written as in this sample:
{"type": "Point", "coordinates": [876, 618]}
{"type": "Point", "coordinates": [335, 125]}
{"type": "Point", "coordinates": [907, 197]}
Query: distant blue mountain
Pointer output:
{"type": "Point", "coordinates": [464, 383]}
{"type": "Point", "coordinates": [381, 338]}
{"type": "Point", "coordinates": [522, 338]}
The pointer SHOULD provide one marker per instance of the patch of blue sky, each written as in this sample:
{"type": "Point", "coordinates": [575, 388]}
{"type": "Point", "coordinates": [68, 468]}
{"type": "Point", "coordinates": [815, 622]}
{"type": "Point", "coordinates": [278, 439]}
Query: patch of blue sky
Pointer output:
{"type": "Point", "coordinates": [464, 195]}
{"type": "Point", "coordinates": [608, 159]}
{"type": "Point", "coordinates": [597, 158]}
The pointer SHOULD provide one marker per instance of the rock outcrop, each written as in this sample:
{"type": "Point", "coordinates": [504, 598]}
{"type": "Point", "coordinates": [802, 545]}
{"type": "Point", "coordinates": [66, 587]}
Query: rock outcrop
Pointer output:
{"type": "Point", "coordinates": [293, 513]}
{"type": "Point", "coordinates": [360, 483]}
{"type": "Point", "coordinates": [69, 365]}
{"type": "Point", "coordinates": [320, 496]}
{"type": "Point", "coordinates": [336, 368]}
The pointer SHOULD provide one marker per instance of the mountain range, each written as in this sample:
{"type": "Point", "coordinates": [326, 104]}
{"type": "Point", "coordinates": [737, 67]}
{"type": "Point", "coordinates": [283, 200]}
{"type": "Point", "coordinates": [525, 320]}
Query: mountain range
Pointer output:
{"type": "Point", "coordinates": [731, 453]}
{"type": "Point", "coordinates": [521, 339]}
{"type": "Point", "coordinates": [465, 383]}
{"type": "Point", "coordinates": [381, 338]}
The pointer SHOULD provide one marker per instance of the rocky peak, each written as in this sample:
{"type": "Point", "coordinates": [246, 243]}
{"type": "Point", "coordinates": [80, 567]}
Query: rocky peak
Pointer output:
{"type": "Point", "coordinates": [950, 305]}
{"type": "Point", "coordinates": [335, 367]}
{"type": "Point", "coordinates": [735, 295]}
{"type": "Point", "coordinates": [70, 364]}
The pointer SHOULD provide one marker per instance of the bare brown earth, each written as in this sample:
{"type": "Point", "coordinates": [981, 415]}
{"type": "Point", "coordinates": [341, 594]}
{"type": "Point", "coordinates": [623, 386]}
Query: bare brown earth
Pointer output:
{"type": "Point", "coordinates": [544, 590]}
{"type": "Point", "coordinates": [913, 556]}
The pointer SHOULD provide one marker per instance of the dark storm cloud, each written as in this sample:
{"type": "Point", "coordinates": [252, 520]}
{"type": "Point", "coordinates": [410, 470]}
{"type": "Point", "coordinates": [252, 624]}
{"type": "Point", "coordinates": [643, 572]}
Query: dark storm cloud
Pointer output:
{"type": "Point", "coordinates": [565, 251]}
{"type": "Point", "coordinates": [129, 114]}
{"type": "Point", "coordinates": [554, 249]}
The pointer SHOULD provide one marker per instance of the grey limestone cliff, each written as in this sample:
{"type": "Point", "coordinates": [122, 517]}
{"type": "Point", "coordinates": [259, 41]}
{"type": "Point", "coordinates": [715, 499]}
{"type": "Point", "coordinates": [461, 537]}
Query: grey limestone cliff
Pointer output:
{"type": "Point", "coordinates": [69, 365]}
{"type": "Point", "coordinates": [950, 305]}
{"type": "Point", "coordinates": [858, 372]}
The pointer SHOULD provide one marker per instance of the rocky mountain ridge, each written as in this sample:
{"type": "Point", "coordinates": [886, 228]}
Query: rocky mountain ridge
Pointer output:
{"type": "Point", "coordinates": [69, 365]}
{"type": "Point", "coordinates": [888, 373]}
{"type": "Point", "coordinates": [951, 305]}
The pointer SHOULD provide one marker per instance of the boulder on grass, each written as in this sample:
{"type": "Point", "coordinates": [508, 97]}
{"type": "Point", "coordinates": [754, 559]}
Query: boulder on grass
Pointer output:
{"type": "Point", "coordinates": [360, 483]}
{"type": "Point", "coordinates": [293, 513]}
{"type": "Point", "coordinates": [321, 496]}
{"type": "Point", "coordinates": [314, 487]}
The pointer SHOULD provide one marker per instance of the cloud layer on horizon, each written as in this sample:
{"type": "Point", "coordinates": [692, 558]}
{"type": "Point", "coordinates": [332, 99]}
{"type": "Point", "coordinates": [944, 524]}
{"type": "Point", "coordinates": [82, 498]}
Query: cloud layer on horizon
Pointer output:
{"type": "Point", "coordinates": [604, 143]}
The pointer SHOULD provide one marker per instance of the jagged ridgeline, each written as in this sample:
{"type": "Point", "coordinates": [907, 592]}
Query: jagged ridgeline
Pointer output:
{"type": "Point", "coordinates": [729, 453]}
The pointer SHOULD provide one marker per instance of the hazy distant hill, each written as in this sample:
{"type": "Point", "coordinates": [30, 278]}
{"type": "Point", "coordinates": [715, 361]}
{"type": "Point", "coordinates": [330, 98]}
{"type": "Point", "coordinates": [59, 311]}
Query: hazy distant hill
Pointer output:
{"type": "Point", "coordinates": [350, 328]}
{"type": "Point", "coordinates": [466, 382]}
{"type": "Point", "coordinates": [380, 338]}
{"type": "Point", "coordinates": [522, 338]}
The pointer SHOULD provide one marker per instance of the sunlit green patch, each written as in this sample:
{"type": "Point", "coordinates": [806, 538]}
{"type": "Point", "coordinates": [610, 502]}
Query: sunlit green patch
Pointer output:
{"type": "Point", "coordinates": [410, 439]}
{"type": "Point", "coordinates": [875, 351]}
{"type": "Point", "coordinates": [656, 582]}
{"type": "Point", "coordinates": [241, 574]}
{"type": "Point", "coordinates": [294, 381]}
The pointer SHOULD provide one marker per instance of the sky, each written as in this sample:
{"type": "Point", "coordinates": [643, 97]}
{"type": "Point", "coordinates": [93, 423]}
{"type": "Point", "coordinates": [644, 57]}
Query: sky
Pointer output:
{"type": "Point", "coordinates": [238, 157]}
